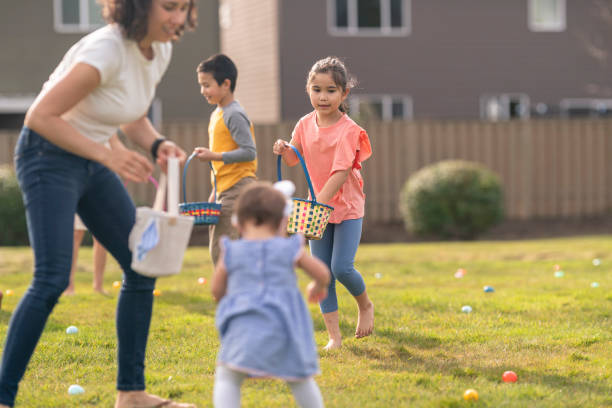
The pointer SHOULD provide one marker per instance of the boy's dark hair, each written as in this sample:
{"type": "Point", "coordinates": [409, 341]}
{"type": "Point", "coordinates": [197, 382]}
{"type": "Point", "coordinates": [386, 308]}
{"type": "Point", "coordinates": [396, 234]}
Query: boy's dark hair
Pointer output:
{"type": "Point", "coordinates": [133, 16]}
{"type": "Point", "coordinates": [221, 67]}
{"type": "Point", "coordinates": [261, 203]}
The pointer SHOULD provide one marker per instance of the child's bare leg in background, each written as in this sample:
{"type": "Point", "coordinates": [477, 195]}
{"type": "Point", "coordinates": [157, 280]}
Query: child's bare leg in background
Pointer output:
{"type": "Point", "coordinates": [99, 255]}
{"type": "Point", "coordinates": [76, 244]}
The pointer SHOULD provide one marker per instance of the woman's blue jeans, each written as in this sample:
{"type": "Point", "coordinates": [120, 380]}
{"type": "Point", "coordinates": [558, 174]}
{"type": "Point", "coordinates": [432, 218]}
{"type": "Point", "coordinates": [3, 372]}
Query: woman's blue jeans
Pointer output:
{"type": "Point", "coordinates": [337, 248]}
{"type": "Point", "coordinates": [56, 184]}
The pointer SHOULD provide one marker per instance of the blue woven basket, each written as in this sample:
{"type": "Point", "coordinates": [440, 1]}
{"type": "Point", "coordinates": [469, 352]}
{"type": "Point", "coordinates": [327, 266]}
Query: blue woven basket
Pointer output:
{"type": "Point", "coordinates": [203, 212]}
{"type": "Point", "coordinates": [307, 216]}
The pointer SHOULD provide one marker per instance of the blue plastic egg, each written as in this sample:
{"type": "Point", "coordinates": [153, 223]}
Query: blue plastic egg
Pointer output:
{"type": "Point", "coordinates": [75, 389]}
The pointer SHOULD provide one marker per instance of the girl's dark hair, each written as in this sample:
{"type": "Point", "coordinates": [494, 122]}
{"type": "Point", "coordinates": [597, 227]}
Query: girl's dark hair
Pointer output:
{"type": "Point", "coordinates": [221, 67]}
{"type": "Point", "coordinates": [336, 68]}
{"type": "Point", "coordinates": [261, 203]}
{"type": "Point", "coordinates": [132, 16]}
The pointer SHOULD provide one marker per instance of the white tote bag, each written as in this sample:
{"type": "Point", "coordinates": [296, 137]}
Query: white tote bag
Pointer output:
{"type": "Point", "coordinates": [159, 239]}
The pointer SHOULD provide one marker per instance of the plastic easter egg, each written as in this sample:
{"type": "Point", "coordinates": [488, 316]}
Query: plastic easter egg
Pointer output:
{"type": "Point", "coordinates": [596, 262]}
{"type": "Point", "coordinates": [75, 389]}
{"type": "Point", "coordinates": [557, 267]}
{"type": "Point", "coordinates": [509, 376]}
{"type": "Point", "coordinates": [377, 275]}
{"type": "Point", "coordinates": [116, 284]}
{"type": "Point", "coordinates": [470, 395]}
{"type": "Point", "coordinates": [72, 330]}
{"type": "Point", "coordinates": [201, 281]}
{"type": "Point", "coordinates": [488, 289]}
{"type": "Point", "coordinates": [466, 309]}
{"type": "Point", "coordinates": [594, 284]}
{"type": "Point", "coordinates": [559, 274]}
{"type": "Point", "coordinates": [9, 292]}
{"type": "Point", "coordinates": [460, 273]}
{"type": "Point", "coordinates": [157, 292]}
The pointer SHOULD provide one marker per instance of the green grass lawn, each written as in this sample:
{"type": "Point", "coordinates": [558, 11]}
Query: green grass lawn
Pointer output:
{"type": "Point", "coordinates": [555, 333]}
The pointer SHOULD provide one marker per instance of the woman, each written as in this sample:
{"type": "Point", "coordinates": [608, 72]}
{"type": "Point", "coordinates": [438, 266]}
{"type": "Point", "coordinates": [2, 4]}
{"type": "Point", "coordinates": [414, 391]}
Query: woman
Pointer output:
{"type": "Point", "coordinates": [105, 81]}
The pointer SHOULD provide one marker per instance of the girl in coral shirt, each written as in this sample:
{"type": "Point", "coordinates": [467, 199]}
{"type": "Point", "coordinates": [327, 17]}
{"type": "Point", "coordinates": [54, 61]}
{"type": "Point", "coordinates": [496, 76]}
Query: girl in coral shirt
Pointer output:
{"type": "Point", "coordinates": [333, 147]}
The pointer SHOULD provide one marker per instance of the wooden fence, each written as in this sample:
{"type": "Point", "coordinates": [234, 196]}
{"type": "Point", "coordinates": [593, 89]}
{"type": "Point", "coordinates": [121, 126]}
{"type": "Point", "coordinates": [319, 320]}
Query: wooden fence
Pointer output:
{"type": "Point", "coordinates": [548, 168]}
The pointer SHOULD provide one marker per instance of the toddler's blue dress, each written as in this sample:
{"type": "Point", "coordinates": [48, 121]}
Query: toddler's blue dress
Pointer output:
{"type": "Point", "coordinates": [264, 324]}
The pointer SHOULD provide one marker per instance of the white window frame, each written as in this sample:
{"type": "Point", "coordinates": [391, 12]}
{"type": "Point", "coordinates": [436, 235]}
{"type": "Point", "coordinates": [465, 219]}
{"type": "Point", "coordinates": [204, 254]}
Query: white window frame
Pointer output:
{"type": "Point", "coordinates": [503, 101]}
{"type": "Point", "coordinates": [387, 105]}
{"type": "Point", "coordinates": [82, 27]}
{"type": "Point", "coordinates": [594, 105]}
{"type": "Point", "coordinates": [558, 25]}
{"type": "Point", "coordinates": [385, 29]}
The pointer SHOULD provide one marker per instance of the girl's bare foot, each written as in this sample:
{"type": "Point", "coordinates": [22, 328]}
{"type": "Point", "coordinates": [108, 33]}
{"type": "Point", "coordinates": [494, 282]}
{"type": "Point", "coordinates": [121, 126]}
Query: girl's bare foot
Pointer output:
{"type": "Point", "coordinates": [140, 399]}
{"type": "Point", "coordinates": [365, 320]}
{"type": "Point", "coordinates": [333, 344]}
{"type": "Point", "coordinates": [332, 324]}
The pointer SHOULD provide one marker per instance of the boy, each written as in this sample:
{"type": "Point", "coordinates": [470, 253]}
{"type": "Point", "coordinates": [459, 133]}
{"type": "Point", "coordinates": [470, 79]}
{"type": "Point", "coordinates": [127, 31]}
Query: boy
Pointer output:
{"type": "Point", "coordinates": [231, 143]}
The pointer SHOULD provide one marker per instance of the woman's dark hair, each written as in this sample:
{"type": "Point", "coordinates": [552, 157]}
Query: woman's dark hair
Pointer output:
{"type": "Point", "coordinates": [221, 67]}
{"type": "Point", "coordinates": [261, 203]}
{"type": "Point", "coordinates": [336, 68]}
{"type": "Point", "coordinates": [132, 16]}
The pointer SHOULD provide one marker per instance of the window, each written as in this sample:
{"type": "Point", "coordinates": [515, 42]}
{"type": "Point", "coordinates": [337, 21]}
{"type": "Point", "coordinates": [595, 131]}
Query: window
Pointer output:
{"type": "Point", "coordinates": [77, 16]}
{"type": "Point", "coordinates": [504, 106]}
{"type": "Point", "coordinates": [546, 15]}
{"type": "Point", "coordinates": [369, 17]}
{"type": "Point", "coordinates": [380, 107]}
{"type": "Point", "coordinates": [585, 107]}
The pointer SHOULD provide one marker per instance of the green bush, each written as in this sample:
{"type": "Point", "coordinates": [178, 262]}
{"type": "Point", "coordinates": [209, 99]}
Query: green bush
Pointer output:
{"type": "Point", "coordinates": [451, 199]}
{"type": "Point", "coordinates": [13, 229]}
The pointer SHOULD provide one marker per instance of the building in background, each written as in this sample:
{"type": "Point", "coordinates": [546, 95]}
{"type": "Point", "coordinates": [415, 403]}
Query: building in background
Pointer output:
{"type": "Point", "coordinates": [413, 59]}
{"type": "Point", "coordinates": [490, 59]}
{"type": "Point", "coordinates": [36, 34]}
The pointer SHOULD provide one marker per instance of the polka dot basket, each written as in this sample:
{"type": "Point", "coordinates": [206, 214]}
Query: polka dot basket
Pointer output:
{"type": "Point", "coordinates": [307, 217]}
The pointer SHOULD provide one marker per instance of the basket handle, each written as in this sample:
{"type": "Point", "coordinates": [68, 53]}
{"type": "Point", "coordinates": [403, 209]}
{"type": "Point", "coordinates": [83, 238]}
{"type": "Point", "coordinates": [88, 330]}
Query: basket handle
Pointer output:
{"type": "Point", "coordinates": [185, 176]}
{"type": "Point", "coordinates": [297, 153]}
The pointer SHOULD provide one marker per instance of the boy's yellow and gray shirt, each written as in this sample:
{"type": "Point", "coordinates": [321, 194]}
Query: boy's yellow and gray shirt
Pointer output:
{"type": "Point", "coordinates": [231, 133]}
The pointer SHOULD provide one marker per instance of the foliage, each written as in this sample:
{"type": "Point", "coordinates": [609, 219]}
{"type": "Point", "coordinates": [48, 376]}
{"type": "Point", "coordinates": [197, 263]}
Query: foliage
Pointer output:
{"type": "Point", "coordinates": [451, 199]}
{"type": "Point", "coordinates": [555, 333]}
{"type": "Point", "coordinates": [13, 228]}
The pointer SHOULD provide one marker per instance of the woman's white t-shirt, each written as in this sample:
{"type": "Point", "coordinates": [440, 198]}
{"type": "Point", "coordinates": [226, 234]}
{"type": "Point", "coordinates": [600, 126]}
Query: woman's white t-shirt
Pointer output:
{"type": "Point", "coordinates": [127, 81]}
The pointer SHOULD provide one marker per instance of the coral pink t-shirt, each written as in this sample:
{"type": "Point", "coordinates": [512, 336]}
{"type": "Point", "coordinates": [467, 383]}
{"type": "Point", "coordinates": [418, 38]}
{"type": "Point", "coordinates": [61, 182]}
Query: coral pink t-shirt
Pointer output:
{"type": "Point", "coordinates": [341, 146]}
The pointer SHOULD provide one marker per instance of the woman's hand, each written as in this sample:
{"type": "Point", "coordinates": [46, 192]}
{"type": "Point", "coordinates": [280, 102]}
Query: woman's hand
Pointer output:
{"type": "Point", "coordinates": [315, 292]}
{"type": "Point", "coordinates": [129, 165]}
{"type": "Point", "coordinates": [169, 149]}
{"type": "Point", "coordinates": [204, 154]}
{"type": "Point", "coordinates": [280, 147]}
